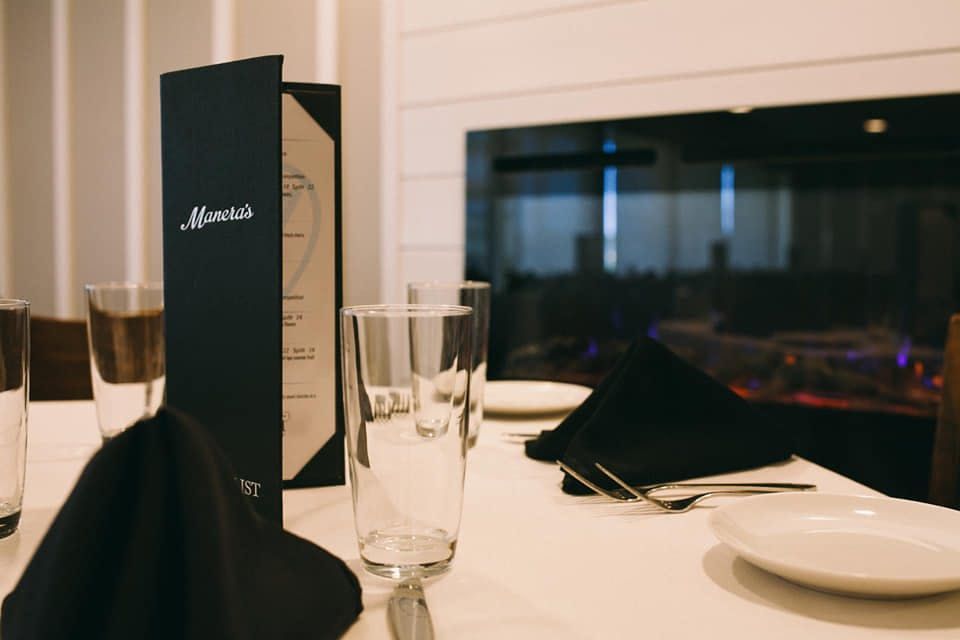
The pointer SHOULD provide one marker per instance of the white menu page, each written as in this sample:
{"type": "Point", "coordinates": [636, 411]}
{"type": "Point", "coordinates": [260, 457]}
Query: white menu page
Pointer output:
{"type": "Point", "coordinates": [309, 281]}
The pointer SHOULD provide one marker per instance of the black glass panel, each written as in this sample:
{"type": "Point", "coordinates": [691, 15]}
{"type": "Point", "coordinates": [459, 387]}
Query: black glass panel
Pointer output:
{"type": "Point", "coordinates": [804, 255]}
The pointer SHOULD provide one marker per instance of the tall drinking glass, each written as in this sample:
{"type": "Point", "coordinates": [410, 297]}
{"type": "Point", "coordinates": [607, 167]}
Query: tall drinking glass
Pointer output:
{"type": "Point", "coordinates": [406, 394]}
{"type": "Point", "coordinates": [127, 361]}
{"type": "Point", "coordinates": [14, 391]}
{"type": "Point", "coordinates": [475, 295]}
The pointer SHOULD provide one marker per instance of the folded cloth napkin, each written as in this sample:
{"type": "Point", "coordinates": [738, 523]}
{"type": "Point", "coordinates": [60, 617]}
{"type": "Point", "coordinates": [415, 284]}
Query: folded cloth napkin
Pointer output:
{"type": "Point", "coordinates": [656, 418]}
{"type": "Point", "coordinates": [156, 541]}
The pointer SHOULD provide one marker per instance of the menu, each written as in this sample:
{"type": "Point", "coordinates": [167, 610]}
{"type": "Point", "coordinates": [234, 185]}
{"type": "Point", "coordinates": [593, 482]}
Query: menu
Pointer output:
{"type": "Point", "coordinates": [251, 254]}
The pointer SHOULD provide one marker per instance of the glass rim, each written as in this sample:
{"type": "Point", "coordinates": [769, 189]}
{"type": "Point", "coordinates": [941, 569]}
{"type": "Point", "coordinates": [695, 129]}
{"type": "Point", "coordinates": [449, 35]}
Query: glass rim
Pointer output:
{"type": "Point", "coordinates": [14, 303]}
{"type": "Point", "coordinates": [449, 284]}
{"type": "Point", "coordinates": [119, 285]}
{"type": "Point", "coordinates": [406, 311]}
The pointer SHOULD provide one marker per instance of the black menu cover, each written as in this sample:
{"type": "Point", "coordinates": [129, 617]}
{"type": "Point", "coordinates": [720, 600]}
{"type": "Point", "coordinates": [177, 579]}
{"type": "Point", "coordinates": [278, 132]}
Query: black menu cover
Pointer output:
{"type": "Point", "coordinates": [230, 208]}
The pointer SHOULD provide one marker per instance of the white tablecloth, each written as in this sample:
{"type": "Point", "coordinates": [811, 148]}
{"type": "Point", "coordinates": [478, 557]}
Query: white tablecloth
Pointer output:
{"type": "Point", "coordinates": [533, 562]}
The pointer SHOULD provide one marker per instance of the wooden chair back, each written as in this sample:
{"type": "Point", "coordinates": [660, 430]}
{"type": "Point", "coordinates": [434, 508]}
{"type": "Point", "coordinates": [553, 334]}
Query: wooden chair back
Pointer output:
{"type": "Point", "coordinates": [945, 467]}
{"type": "Point", "coordinates": [59, 360]}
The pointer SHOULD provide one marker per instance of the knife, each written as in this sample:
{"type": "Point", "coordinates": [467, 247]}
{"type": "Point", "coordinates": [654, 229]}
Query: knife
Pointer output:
{"type": "Point", "coordinates": [408, 613]}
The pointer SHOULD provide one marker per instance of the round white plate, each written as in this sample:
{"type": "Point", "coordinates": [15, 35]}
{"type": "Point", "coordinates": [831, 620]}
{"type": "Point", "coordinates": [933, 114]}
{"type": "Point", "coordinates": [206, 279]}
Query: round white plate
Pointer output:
{"type": "Point", "coordinates": [852, 545]}
{"type": "Point", "coordinates": [530, 397]}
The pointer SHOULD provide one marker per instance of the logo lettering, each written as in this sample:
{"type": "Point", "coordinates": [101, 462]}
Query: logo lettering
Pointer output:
{"type": "Point", "coordinates": [201, 216]}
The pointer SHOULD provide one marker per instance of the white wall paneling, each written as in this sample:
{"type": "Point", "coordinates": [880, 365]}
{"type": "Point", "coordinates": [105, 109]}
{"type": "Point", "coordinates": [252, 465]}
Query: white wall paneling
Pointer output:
{"type": "Point", "coordinates": [439, 131]}
{"type": "Point", "coordinates": [432, 15]}
{"type": "Point", "coordinates": [417, 76]}
{"type": "Point", "coordinates": [656, 39]}
{"type": "Point", "coordinates": [391, 282]}
{"type": "Point", "coordinates": [135, 206]}
{"type": "Point", "coordinates": [28, 64]}
{"type": "Point", "coordinates": [179, 35]}
{"type": "Point", "coordinates": [80, 192]}
{"type": "Point", "coordinates": [98, 171]}
{"type": "Point", "coordinates": [6, 239]}
{"type": "Point", "coordinates": [433, 212]}
{"type": "Point", "coordinates": [429, 264]}
{"type": "Point", "coordinates": [481, 65]}
{"type": "Point", "coordinates": [360, 67]}
{"type": "Point", "coordinates": [327, 41]}
{"type": "Point", "coordinates": [223, 30]}
{"type": "Point", "coordinates": [63, 250]}
{"type": "Point", "coordinates": [289, 27]}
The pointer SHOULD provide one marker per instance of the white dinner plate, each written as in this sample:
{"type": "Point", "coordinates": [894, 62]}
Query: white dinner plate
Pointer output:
{"type": "Point", "coordinates": [852, 545]}
{"type": "Point", "coordinates": [530, 397]}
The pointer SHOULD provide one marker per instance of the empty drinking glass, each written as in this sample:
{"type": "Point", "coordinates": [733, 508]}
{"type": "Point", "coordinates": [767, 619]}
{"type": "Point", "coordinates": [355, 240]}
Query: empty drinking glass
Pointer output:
{"type": "Point", "coordinates": [14, 391]}
{"type": "Point", "coordinates": [476, 295]}
{"type": "Point", "coordinates": [127, 362]}
{"type": "Point", "coordinates": [406, 393]}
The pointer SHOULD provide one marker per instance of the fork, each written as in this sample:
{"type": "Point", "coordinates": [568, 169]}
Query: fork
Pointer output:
{"type": "Point", "coordinates": [680, 505]}
{"type": "Point", "coordinates": [381, 408]}
{"type": "Point", "coordinates": [641, 493]}
{"type": "Point", "coordinates": [386, 407]}
{"type": "Point", "coordinates": [400, 402]}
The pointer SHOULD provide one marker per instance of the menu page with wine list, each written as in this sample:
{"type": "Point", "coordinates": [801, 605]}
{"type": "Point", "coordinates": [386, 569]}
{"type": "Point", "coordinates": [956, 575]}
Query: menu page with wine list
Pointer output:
{"type": "Point", "coordinates": [309, 275]}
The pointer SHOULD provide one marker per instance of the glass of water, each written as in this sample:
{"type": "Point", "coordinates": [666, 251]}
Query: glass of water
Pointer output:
{"type": "Point", "coordinates": [476, 295]}
{"type": "Point", "coordinates": [127, 358]}
{"type": "Point", "coordinates": [406, 399]}
{"type": "Point", "coordinates": [14, 391]}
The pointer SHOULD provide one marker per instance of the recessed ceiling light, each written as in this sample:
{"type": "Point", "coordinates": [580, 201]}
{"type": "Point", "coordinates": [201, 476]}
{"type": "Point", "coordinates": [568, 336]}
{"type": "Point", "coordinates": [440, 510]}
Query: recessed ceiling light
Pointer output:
{"type": "Point", "coordinates": [875, 125]}
{"type": "Point", "coordinates": [741, 110]}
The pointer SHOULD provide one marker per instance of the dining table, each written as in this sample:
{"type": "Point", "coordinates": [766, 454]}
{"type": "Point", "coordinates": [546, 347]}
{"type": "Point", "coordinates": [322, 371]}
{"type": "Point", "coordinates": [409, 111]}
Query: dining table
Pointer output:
{"type": "Point", "coordinates": [533, 562]}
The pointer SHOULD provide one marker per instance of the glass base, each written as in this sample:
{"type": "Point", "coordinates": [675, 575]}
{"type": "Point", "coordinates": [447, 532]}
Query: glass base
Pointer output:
{"type": "Point", "coordinates": [9, 524]}
{"type": "Point", "coordinates": [406, 572]}
{"type": "Point", "coordinates": [402, 555]}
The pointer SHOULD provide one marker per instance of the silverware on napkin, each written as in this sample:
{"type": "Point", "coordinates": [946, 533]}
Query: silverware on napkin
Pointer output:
{"type": "Point", "coordinates": [408, 613]}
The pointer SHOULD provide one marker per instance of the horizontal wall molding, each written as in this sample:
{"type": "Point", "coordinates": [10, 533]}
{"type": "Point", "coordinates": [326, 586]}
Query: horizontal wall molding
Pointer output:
{"type": "Point", "coordinates": [440, 131]}
{"type": "Point", "coordinates": [629, 41]}
{"type": "Point", "coordinates": [422, 17]}
{"type": "Point", "coordinates": [690, 75]}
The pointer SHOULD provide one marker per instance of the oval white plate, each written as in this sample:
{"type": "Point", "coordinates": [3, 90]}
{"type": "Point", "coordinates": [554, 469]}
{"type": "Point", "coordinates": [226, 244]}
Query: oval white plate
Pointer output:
{"type": "Point", "coordinates": [853, 545]}
{"type": "Point", "coordinates": [530, 397]}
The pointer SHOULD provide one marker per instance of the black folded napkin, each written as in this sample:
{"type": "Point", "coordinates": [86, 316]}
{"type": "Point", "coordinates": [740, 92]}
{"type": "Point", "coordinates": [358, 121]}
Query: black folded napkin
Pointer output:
{"type": "Point", "coordinates": [656, 418]}
{"type": "Point", "coordinates": [156, 541]}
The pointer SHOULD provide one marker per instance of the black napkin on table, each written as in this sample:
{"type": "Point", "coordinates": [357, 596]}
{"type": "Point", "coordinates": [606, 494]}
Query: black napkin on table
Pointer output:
{"type": "Point", "coordinates": [156, 541]}
{"type": "Point", "coordinates": [656, 418]}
